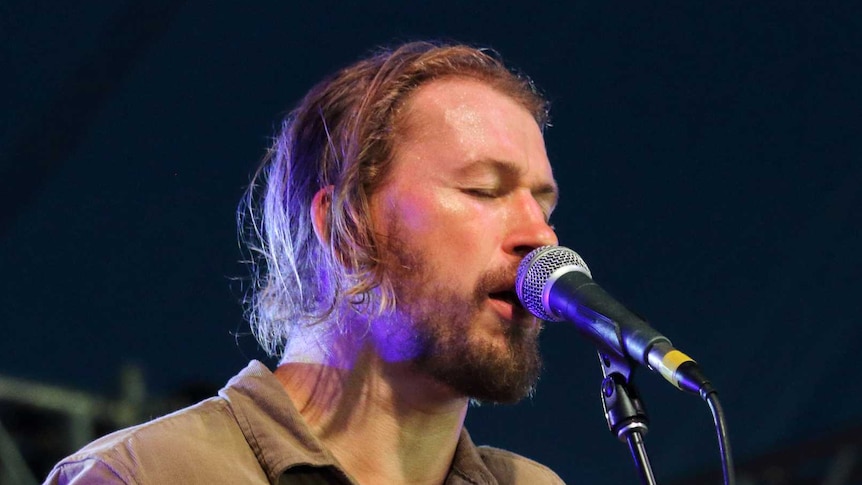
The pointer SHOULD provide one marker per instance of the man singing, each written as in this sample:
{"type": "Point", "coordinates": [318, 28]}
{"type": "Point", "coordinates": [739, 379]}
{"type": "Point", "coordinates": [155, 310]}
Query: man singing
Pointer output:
{"type": "Point", "coordinates": [386, 225]}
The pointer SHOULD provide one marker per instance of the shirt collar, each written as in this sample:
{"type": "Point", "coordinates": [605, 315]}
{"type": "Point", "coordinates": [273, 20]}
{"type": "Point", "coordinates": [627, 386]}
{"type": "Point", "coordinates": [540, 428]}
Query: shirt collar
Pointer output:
{"type": "Point", "coordinates": [273, 428]}
{"type": "Point", "coordinates": [280, 438]}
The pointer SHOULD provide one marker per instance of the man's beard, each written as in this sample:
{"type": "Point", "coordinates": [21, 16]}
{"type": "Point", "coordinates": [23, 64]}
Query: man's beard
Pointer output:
{"type": "Point", "coordinates": [440, 324]}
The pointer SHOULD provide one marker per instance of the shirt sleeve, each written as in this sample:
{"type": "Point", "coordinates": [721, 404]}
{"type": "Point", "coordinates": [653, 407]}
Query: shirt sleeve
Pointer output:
{"type": "Point", "coordinates": [86, 471]}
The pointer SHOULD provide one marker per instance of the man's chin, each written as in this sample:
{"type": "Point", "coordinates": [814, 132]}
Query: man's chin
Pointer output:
{"type": "Point", "coordinates": [498, 371]}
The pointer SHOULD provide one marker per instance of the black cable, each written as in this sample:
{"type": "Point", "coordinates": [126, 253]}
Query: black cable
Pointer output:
{"type": "Point", "coordinates": [723, 441]}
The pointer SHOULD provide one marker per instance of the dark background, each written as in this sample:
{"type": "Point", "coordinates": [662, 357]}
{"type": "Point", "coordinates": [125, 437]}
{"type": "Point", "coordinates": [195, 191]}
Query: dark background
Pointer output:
{"type": "Point", "coordinates": [708, 155]}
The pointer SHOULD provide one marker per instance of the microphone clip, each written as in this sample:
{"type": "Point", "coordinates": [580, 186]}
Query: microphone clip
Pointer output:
{"type": "Point", "coordinates": [624, 411]}
{"type": "Point", "coordinates": [623, 408]}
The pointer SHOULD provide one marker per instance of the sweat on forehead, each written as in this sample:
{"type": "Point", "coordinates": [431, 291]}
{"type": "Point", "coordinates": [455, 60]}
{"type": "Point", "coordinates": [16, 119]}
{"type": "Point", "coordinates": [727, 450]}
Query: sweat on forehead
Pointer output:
{"type": "Point", "coordinates": [463, 112]}
{"type": "Point", "coordinates": [530, 102]}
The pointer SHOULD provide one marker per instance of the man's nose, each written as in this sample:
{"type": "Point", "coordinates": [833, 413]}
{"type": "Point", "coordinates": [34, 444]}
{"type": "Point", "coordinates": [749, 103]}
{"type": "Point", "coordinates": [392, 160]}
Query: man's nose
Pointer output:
{"type": "Point", "coordinates": [529, 228]}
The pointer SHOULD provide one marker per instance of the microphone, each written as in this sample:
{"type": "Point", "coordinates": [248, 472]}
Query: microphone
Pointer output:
{"type": "Point", "coordinates": [555, 284]}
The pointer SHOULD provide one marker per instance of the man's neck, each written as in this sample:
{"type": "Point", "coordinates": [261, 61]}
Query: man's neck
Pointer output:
{"type": "Point", "coordinates": [383, 422]}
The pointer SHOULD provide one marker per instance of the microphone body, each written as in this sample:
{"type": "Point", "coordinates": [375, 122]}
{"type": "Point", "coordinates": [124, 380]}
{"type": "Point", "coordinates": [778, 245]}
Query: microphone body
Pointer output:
{"type": "Point", "coordinates": [555, 284]}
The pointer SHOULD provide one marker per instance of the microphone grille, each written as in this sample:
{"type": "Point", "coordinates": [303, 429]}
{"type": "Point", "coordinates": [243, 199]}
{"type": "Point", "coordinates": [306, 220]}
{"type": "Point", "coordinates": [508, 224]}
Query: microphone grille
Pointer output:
{"type": "Point", "coordinates": [534, 272]}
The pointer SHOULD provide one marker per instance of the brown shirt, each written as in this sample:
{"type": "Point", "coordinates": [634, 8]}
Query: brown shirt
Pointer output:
{"type": "Point", "coordinates": [251, 433]}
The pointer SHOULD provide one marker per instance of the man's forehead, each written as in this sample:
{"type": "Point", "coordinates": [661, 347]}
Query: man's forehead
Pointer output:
{"type": "Point", "coordinates": [477, 126]}
{"type": "Point", "coordinates": [453, 100]}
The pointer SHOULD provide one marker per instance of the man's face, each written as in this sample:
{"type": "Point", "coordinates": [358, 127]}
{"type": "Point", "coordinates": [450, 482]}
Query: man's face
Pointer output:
{"type": "Point", "coordinates": [469, 194]}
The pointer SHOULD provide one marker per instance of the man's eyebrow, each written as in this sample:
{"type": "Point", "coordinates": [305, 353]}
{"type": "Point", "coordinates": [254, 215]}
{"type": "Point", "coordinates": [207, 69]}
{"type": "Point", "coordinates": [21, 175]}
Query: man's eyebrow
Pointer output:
{"type": "Point", "coordinates": [511, 171]}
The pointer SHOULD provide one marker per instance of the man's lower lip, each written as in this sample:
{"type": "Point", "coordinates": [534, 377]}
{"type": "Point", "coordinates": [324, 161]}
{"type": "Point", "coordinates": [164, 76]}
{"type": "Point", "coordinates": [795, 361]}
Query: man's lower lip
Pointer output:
{"type": "Point", "coordinates": [504, 308]}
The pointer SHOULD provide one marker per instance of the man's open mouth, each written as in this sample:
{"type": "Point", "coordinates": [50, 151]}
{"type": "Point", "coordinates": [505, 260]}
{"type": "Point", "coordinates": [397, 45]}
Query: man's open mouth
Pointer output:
{"type": "Point", "coordinates": [507, 296]}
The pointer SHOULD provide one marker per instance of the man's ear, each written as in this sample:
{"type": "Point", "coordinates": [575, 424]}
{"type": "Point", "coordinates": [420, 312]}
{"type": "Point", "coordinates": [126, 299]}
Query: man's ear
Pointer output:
{"type": "Point", "coordinates": [320, 206]}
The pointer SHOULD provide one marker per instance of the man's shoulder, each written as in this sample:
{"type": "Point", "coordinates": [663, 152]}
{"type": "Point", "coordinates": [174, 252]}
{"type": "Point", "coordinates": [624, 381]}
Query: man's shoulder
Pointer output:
{"type": "Point", "coordinates": [518, 468]}
{"type": "Point", "coordinates": [170, 446]}
{"type": "Point", "coordinates": [199, 423]}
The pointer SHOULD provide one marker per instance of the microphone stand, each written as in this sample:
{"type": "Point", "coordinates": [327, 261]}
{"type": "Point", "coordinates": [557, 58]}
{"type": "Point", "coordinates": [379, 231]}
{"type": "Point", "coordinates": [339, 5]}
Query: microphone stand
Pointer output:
{"type": "Point", "coordinates": [624, 411]}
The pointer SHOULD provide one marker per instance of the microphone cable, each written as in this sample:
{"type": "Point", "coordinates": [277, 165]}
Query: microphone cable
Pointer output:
{"type": "Point", "coordinates": [720, 422]}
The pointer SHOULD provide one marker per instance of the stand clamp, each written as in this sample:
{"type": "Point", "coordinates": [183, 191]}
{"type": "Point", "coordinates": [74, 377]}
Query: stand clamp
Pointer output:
{"type": "Point", "coordinates": [625, 412]}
